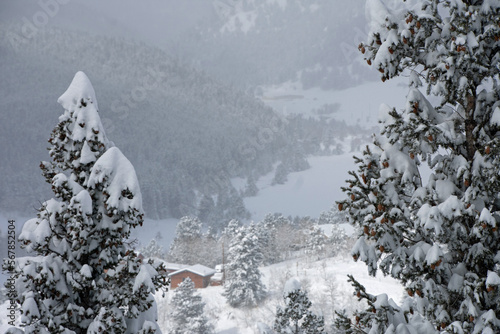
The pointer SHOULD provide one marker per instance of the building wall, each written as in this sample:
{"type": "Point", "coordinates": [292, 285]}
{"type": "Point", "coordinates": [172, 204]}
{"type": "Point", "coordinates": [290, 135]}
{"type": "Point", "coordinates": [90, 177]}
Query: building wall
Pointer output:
{"type": "Point", "coordinates": [199, 281]}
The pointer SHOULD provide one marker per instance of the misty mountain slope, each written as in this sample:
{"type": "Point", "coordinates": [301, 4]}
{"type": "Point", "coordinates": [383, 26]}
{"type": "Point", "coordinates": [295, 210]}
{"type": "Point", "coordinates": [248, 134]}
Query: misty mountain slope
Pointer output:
{"type": "Point", "coordinates": [185, 134]}
{"type": "Point", "coordinates": [270, 42]}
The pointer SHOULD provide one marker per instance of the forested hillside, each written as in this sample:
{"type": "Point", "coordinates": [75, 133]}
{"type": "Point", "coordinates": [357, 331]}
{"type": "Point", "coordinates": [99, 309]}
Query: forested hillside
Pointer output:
{"type": "Point", "coordinates": [268, 42]}
{"type": "Point", "coordinates": [185, 133]}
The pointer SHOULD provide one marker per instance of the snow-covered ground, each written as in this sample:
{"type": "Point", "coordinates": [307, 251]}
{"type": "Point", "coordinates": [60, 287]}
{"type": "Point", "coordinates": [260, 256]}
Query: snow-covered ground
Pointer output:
{"type": "Point", "coordinates": [324, 280]}
{"type": "Point", "coordinates": [306, 193]}
{"type": "Point", "coordinates": [356, 106]}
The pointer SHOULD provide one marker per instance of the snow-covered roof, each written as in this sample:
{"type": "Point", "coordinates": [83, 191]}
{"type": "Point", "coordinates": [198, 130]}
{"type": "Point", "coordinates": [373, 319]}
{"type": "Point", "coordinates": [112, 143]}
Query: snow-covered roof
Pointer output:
{"type": "Point", "coordinates": [174, 266]}
{"type": "Point", "coordinates": [197, 269]}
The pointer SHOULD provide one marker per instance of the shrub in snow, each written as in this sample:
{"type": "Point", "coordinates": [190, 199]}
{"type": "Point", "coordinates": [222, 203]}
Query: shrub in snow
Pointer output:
{"type": "Point", "coordinates": [438, 236]}
{"type": "Point", "coordinates": [243, 285]}
{"type": "Point", "coordinates": [187, 311]}
{"type": "Point", "coordinates": [82, 278]}
{"type": "Point", "coordinates": [295, 317]}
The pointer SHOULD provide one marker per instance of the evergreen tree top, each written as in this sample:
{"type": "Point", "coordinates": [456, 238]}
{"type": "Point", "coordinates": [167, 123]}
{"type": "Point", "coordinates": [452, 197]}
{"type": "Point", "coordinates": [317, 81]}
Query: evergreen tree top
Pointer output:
{"type": "Point", "coordinates": [80, 89]}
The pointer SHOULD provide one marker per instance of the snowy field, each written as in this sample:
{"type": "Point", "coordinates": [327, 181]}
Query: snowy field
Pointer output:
{"type": "Point", "coordinates": [306, 193]}
{"type": "Point", "coordinates": [356, 106]}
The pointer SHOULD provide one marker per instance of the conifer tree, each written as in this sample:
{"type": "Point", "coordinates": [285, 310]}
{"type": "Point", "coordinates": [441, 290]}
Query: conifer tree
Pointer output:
{"type": "Point", "coordinates": [153, 249]}
{"type": "Point", "coordinates": [251, 188]}
{"type": "Point", "coordinates": [296, 317]}
{"type": "Point", "coordinates": [188, 311]}
{"type": "Point", "coordinates": [82, 277]}
{"type": "Point", "coordinates": [232, 228]}
{"type": "Point", "coordinates": [187, 243]}
{"type": "Point", "coordinates": [206, 210]}
{"type": "Point", "coordinates": [316, 240]}
{"type": "Point", "coordinates": [438, 235]}
{"type": "Point", "coordinates": [273, 244]}
{"type": "Point", "coordinates": [243, 285]}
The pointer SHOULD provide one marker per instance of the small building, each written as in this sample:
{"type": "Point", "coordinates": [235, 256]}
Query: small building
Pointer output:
{"type": "Point", "coordinates": [199, 274]}
{"type": "Point", "coordinates": [173, 267]}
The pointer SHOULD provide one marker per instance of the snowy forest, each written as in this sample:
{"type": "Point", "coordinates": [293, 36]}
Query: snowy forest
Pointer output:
{"type": "Point", "coordinates": [241, 166]}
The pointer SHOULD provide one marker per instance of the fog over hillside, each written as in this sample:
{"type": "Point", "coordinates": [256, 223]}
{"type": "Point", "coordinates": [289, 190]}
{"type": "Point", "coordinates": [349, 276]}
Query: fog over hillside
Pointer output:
{"type": "Point", "coordinates": [175, 83]}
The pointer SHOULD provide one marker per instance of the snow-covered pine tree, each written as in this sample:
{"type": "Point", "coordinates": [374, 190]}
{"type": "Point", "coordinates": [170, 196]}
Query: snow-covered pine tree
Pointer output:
{"type": "Point", "coordinates": [228, 233]}
{"type": "Point", "coordinates": [338, 240]}
{"type": "Point", "coordinates": [82, 277]}
{"type": "Point", "coordinates": [187, 241]}
{"type": "Point", "coordinates": [281, 174]}
{"type": "Point", "coordinates": [251, 188]}
{"type": "Point", "coordinates": [206, 210]}
{"type": "Point", "coordinates": [153, 249]}
{"type": "Point", "coordinates": [266, 233]}
{"type": "Point", "coordinates": [188, 315]}
{"type": "Point", "coordinates": [439, 235]}
{"type": "Point", "coordinates": [296, 317]}
{"type": "Point", "coordinates": [232, 228]}
{"type": "Point", "coordinates": [243, 285]}
{"type": "Point", "coordinates": [210, 248]}
{"type": "Point", "coordinates": [316, 240]}
{"type": "Point", "coordinates": [276, 237]}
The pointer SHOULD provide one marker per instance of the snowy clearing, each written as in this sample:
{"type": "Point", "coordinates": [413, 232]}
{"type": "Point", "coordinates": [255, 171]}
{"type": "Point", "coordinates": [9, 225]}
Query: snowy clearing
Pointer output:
{"type": "Point", "coordinates": [306, 193]}
{"type": "Point", "coordinates": [325, 282]}
{"type": "Point", "coordinates": [289, 98]}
